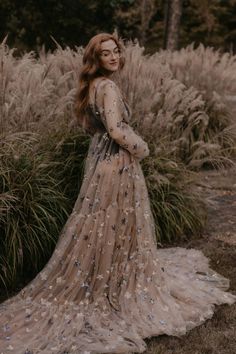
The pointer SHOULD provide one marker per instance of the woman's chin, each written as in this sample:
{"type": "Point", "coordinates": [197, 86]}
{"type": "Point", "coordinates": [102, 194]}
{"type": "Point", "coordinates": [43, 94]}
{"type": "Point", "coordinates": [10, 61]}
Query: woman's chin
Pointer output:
{"type": "Point", "coordinates": [113, 68]}
{"type": "Point", "coordinates": [110, 71]}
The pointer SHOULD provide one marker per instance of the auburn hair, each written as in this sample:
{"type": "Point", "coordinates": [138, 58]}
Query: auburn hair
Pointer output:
{"type": "Point", "coordinates": [91, 69]}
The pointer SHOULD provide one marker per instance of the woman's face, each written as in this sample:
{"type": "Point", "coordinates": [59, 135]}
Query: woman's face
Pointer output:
{"type": "Point", "coordinates": [110, 56]}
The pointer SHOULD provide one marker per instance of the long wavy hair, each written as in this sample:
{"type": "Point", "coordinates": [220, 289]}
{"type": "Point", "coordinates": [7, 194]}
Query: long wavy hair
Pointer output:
{"type": "Point", "coordinates": [90, 70]}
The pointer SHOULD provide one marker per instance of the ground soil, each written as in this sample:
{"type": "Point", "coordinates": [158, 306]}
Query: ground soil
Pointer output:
{"type": "Point", "coordinates": [218, 242]}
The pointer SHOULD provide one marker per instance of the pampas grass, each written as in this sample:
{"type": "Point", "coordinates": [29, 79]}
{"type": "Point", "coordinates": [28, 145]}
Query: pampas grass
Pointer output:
{"type": "Point", "coordinates": [198, 128]}
{"type": "Point", "coordinates": [205, 68]}
{"type": "Point", "coordinates": [213, 74]}
{"type": "Point", "coordinates": [171, 94]}
{"type": "Point", "coordinates": [36, 94]}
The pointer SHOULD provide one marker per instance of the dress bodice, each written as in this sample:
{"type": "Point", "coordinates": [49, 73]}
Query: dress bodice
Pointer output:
{"type": "Point", "coordinates": [95, 111]}
{"type": "Point", "coordinates": [110, 114]}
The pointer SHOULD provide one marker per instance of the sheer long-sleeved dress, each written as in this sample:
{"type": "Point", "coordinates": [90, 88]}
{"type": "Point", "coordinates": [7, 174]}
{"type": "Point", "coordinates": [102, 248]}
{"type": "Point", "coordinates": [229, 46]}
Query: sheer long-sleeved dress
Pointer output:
{"type": "Point", "coordinates": [107, 286]}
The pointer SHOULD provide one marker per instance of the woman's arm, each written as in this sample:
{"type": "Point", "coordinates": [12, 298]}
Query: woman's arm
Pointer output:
{"type": "Point", "coordinates": [119, 130]}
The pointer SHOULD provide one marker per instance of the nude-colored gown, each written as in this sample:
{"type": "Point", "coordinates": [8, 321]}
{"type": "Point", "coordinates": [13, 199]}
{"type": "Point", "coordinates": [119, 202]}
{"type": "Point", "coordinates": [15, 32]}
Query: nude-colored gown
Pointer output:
{"type": "Point", "coordinates": [107, 286]}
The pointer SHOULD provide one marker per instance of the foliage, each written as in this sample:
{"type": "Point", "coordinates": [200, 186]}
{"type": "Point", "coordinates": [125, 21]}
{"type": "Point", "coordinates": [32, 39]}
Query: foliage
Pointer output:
{"type": "Point", "coordinates": [178, 211]}
{"type": "Point", "coordinates": [33, 208]}
{"type": "Point", "coordinates": [70, 22]}
{"type": "Point", "coordinates": [209, 22]}
{"type": "Point", "coordinates": [39, 183]}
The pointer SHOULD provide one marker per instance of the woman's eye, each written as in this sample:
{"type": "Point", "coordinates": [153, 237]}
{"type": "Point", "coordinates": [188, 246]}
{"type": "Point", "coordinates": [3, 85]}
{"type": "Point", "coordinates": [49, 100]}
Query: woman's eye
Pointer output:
{"type": "Point", "coordinates": [116, 52]}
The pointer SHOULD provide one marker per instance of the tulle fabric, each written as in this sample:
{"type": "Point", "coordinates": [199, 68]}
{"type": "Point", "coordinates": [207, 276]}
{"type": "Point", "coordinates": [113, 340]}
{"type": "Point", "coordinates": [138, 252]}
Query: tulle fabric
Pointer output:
{"type": "Point", "coordinates": [106, 286]}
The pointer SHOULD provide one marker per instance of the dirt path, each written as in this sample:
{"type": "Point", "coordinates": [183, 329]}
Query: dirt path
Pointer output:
{"type": "Point", "coordinates": [217, 335]}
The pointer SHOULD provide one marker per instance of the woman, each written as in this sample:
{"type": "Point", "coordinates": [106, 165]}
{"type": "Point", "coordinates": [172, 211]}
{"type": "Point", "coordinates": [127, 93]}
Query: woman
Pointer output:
{"type": "Point", "coordinates": [106, 286]}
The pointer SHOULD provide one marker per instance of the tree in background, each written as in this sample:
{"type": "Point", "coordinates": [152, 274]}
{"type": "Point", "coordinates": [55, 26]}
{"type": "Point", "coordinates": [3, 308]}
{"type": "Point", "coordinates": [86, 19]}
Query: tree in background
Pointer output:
{"type": "Point", "coordinates": [211, 22]}
{"type": "Point", "coordinates": [173, 12]}
{"type": "Point", "coordinates": [133, 18]}
{"type": "Point", "coordinates": [29, 23]}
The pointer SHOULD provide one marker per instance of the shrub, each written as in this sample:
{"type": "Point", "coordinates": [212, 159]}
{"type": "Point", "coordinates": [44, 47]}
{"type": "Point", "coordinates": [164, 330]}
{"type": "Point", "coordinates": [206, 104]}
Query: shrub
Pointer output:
{"type": "Point", "coordinates": [39, 182]}
{"type": "Point", "coordinates": [178, 211]}
{"type": "Point", "coordinates": [33, 209]}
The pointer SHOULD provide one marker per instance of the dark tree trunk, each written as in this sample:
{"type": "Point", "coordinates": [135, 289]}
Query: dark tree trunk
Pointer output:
{"type": "Point", "coordinates": [173, 11]}
{"type": "Point", "coordinates": [147, 8]}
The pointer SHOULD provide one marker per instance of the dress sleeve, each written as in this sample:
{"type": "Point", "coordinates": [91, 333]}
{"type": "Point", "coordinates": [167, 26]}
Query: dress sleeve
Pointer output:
{"type": "Point", "coordinates": [116, 127]}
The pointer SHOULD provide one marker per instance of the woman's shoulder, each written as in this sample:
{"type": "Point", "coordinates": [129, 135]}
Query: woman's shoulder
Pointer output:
{"type": "Point", "coordinates": [107, 83]}
{"type": "Point", "coordinates": [106, 86]}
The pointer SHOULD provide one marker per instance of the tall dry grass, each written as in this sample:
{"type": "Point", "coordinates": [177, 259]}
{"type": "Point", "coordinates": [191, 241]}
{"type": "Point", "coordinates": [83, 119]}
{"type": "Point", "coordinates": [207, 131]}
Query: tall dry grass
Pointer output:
{"type": "Point", "coordinates": [179, 97]}
{"type": "Point", "coordinates": [197, 125]}
{"type": "Point", "coordinates": [213, 74]}
{"type": "Point", "coordinates": [37, 94]}
{"type": "Point", "coordinates": [208, 69]}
